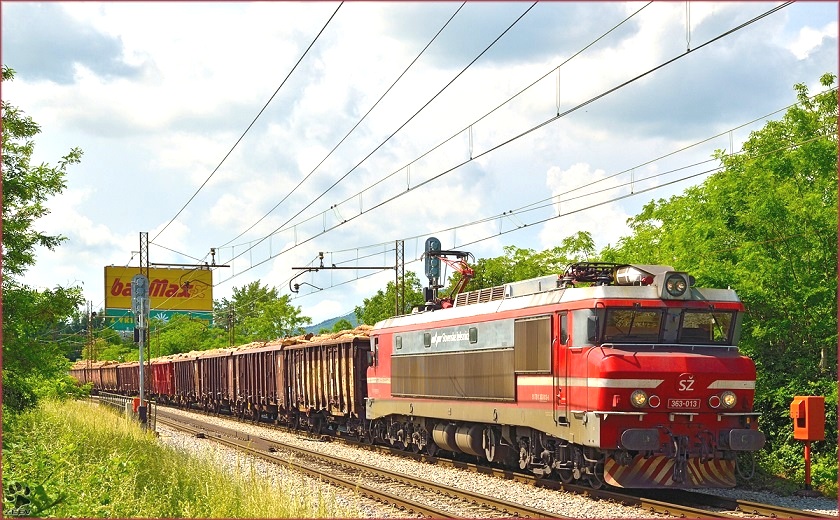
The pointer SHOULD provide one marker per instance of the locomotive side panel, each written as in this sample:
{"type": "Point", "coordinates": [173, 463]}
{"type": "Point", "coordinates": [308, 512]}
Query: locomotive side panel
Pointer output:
{"type": "Point", "coordinates": [459, 375]}
{"type": "Point", "coordinates": [468, 361]}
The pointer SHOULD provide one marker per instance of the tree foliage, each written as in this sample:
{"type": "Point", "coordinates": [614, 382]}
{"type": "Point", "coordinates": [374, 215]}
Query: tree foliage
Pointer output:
{"type": "Point", "coordinates": [182, 333]}
{"type": "Point", "coordinates": [26, 188]}
{"type": "Point", "coordinates": [341, 325]}
{"type": "Point", "coordinates": [766, 225]}
{"type": "Point", "coordinates": [381, 305]}
{"type": "Point", "coordinates": [34, 351]}
{"type": "Point", "coordinates": [244, 304]}
{"type": "Point", "coordinates": [273, 319]}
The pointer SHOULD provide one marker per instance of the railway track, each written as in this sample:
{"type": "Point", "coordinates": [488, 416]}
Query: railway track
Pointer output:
{"type": "Point", "coordinates": [410, 494]}
{"type": "Point", "coordinates": [677, 503]}
{"type": "Point", "coordinates": [730, 506]}
{"type": "Point", "coordinates": [673, 502]}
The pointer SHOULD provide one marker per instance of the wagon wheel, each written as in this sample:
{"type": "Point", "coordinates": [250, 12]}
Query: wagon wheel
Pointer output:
{"type": "Point", "coordinates": [316, 426]}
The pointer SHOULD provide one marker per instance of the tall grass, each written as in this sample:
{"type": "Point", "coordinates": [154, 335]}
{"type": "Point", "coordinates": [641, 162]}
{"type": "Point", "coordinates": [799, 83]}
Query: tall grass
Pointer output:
{"type": "Point", "coordinates": [94, 463]}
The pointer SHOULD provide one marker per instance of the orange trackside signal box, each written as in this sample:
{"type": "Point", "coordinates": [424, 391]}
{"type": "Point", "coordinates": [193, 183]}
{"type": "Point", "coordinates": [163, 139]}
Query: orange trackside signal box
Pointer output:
{"type": "Point", "coordinates": [808, 414]}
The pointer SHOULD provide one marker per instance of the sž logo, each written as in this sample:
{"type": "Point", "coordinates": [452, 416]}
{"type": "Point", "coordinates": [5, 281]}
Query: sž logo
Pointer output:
{"type": "Point", "coordinates": [686, 383]}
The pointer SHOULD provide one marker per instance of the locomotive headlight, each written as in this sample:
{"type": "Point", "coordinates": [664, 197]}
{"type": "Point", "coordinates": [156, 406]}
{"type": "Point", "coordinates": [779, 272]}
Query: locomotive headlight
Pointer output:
{"type": "Point", "coordinates": [638, 398]}
{"type": "Point", "coordinates": [675, 285]}
{"type": "Point", "coordinates": [728, 399]}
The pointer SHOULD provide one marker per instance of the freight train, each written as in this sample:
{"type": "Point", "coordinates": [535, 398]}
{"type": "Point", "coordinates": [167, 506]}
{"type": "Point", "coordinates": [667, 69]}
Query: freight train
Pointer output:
{"type": "Point", "coordinates": [616, 374]}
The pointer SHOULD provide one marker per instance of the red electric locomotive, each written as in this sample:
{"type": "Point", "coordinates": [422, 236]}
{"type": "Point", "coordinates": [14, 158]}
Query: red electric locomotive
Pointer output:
{"type": "Point", "coordinates": [618, 374]}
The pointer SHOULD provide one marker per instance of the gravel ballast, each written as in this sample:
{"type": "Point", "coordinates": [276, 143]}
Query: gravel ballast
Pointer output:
{"type": "Point", "coordinates": [558, 502]}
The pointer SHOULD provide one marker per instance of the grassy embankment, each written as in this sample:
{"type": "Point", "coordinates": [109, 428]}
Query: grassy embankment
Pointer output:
{"type": "Point", "coordinates": [97, 464]}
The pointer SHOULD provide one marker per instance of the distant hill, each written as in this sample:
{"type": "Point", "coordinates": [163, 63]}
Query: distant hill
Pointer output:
{"type": "Point", "coordinates": [328, 324]}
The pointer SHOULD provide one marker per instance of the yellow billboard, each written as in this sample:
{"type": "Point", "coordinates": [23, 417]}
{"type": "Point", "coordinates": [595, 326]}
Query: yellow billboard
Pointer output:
{"type": "Point", "coordinates": [169, 289]}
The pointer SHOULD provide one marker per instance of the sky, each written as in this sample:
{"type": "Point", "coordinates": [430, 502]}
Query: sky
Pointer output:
{"type": "Point", "coordinates": [273, 131]}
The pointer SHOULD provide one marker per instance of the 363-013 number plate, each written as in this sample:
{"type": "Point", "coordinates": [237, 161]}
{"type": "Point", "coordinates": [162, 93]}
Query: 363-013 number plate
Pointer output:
{"type": "Point", "coordinates": [684, 404]}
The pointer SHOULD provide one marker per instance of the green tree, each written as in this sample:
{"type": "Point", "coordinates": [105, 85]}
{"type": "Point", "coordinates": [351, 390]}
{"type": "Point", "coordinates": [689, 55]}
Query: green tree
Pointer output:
{"type": "Point", "coordinates": [34, 356]}
{"type": "Point", "coordinates": [273, 319]}
{"type": "Point", "coordinates": [243, 304]}
{"type": "Point", "coordinates": [181, 333]}
{"type": "Point", "coordinates": [381, 305]}
{"type": "Point", "coordinates": [341, 325]}
{"type": "Point", "coordinates": [766, 225]}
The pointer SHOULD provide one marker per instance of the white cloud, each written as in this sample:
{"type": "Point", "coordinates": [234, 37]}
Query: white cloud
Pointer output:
{"type": "Point", "coordinates": [200, 77]}
{"type": "Point", "coordinates": [588, 209]}
{"type": "Point", "coordinates": [809, 39]}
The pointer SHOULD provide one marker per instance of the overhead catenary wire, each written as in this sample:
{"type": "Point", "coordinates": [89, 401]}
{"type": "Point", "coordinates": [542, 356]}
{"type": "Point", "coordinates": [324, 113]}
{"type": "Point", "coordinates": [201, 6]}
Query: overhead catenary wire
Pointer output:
{"type": "Point", "coordinates": [359, 122]}
{"type": "Point", "coordinates": [397, 80]}
{"type": "Point", "coordinates": [695, 49]}
{"type": "Point", "coordinates": [232, 148]}
{"type": "Point", "coordinates": [505, 142]}
{"type": "Point", "coordinates": [426, 104]}
{"type": "Point", "coordinates": [578, 210]}
{"type": "Point", "coordinates": [590, 44]}
{"type": "Point", "coordinates": [530, 207]}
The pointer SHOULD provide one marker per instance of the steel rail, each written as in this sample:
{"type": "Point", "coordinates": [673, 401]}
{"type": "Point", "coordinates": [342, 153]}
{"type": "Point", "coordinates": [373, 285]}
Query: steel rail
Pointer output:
{"type": "Point", "coordinates": [262, 447]}
{"type": "Point", "coordinates": [675, 502]}
{"type": "Point", "coordinates": [246, 446]}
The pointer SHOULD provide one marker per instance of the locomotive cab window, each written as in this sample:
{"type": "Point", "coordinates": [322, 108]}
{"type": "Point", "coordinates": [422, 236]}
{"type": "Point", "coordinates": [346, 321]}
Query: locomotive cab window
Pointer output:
{"type": "Point", "coordinates": [706, 327]}
{"type": "Point", "coordinates": [632, 325]}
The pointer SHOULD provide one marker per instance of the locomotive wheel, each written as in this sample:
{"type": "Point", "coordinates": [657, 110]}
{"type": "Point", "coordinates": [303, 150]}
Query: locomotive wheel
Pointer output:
{"type": "Point", "coordinates": [566, 476]}
{"type": "Point", "coordinates": [524, 454]}
{"type": "Point", "coordinates": [595, 482]}
{"type": "Point", "coordinates": [409, 441]}
{"type": "Point", "coordinates": [431, 448]}
{"type": "Point", "coordinates": [414, 444]}
{"type": "Point", "coordinates": [489, 441]}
